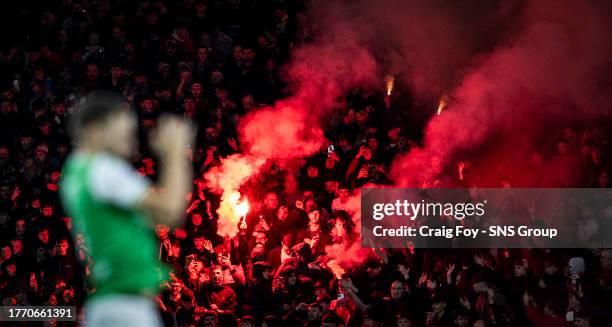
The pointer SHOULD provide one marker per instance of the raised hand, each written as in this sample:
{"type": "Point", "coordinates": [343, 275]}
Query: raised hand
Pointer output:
{"type": "Point", "coordinates": [172, 136]}
{"type": "Point", "coordinates": [403, 270]}
{"type": "Point", "coordinates": [422, 279]}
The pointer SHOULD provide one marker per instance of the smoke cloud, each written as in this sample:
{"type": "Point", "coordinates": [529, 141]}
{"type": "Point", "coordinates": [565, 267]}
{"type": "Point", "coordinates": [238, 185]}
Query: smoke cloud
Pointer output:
{"type": "Point", "coordinates": [516, 72]}
{"type": "Point", "coordinates": [551, 74]}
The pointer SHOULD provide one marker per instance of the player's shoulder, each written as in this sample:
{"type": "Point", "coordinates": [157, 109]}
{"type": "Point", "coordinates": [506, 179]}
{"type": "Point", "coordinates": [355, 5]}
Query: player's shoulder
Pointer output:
{"type": "Point", "coordinates": [103, 161]}
{"type": "Point", "coordinates": [78, 161]}
{"type": "Point", "coordinates": [112, 179]}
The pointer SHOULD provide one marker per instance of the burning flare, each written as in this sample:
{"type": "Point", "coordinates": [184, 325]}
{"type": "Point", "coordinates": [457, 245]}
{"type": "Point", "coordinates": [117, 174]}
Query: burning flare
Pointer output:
{"type": "Point", "coordinates": [227, 179]}
{"type": "Point", "coordinates": [232, 211]}
{"type": "Point", "coordinates": [241, 208]}
{"type": "Point", "coordinates": [389, 82]}
{"type": "Point", "coordinates": [443, 103]}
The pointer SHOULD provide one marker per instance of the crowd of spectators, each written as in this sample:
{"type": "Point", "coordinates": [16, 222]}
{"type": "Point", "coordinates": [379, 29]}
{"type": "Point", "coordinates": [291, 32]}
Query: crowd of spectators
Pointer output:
{"type": "Point", "coordinates": [212, 62]}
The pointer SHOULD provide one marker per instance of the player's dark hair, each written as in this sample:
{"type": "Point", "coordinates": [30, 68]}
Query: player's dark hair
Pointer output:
{"type": "Point", "coordinates": [97, 107]}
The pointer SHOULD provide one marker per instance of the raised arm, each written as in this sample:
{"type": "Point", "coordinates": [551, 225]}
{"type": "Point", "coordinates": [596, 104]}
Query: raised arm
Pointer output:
{"type": "Point", "coordinates": [166, 201]}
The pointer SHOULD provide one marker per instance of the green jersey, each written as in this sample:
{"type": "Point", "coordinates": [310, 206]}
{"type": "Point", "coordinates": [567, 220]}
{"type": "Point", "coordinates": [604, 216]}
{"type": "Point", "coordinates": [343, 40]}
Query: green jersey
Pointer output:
{"type": "Point", "coordinates": [102, 192]}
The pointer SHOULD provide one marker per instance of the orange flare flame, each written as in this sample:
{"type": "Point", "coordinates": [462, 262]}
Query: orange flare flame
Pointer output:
{"type": "Point", "coordinates": [389, 82]}
{"type": "Point", "coordinates": [228, 178]}
{"type": "Point", "coordinates": [443, 103]}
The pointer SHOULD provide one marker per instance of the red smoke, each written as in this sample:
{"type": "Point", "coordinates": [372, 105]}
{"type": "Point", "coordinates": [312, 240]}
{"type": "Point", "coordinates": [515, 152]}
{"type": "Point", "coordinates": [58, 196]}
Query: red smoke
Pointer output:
{"type": "Point", "coordinates": [523, 93]}
{"type": "Point", "coordinates": [516, 72]}
{"type": "Point", "coordinates": [429, 44]}
{"type": "Point", "coordinates": [318, 74]}
{"type": "Point", "coordinates": [350, 252]}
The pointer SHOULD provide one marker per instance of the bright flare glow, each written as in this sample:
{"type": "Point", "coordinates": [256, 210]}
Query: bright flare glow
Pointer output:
{"type": "Point", "coordinates": [389, 82]}
{"type": "Point", "coordinates": [242, 208]}
{"type": "Point", "coordinates": [443, 103]}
